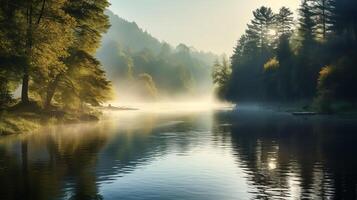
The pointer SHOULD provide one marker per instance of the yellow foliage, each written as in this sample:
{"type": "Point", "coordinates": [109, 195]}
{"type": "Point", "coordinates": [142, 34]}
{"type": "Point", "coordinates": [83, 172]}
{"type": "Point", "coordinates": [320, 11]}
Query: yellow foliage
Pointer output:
{"type": "Point", "coordinates": [325, 71]}
{"type": "Point", "coordinates": [272, 64]}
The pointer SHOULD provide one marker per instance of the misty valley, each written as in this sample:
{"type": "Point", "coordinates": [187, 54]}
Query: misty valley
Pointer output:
{"type": "Point", "coordinates": [171, 100]}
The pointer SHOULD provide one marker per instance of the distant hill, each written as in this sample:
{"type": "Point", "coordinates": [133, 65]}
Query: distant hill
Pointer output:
{"type": "Point", "coordinates": [140, 65]}
{"type": "Point", "coordinates": [129, 35]}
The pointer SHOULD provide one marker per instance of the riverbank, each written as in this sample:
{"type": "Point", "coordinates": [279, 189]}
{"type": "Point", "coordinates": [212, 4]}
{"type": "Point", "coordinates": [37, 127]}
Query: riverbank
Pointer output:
{"type": "Point", "coordinates": [20, 119]}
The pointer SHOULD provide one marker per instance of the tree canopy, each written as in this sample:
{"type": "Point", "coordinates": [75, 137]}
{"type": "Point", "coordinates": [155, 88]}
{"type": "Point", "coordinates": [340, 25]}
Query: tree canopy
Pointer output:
{"type": "Point", "coordinates": [48, 47]}
{"type": "Point", "coordinates": [311, 58]}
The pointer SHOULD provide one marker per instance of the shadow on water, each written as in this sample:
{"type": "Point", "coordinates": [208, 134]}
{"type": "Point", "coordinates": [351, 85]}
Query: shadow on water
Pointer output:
{"type": "Point", "coordinates": [249, 154]}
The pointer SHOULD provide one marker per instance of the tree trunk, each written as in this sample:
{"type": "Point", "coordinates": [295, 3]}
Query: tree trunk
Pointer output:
{"type": "Point", "coordinates": [25, 86]}
{"type": "Point", "coordinates": [324, 19]}
{"type": "Point", "coordinates": [28, 51]}
{"type": "Point", "coordinates": [51, 89]}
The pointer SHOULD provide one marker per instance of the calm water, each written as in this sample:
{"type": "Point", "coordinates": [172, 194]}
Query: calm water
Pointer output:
{"type": "Point", "coordinates": [206, 155]}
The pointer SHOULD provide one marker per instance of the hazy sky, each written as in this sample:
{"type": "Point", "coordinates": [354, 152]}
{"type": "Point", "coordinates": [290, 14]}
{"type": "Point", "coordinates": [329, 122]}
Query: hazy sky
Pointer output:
{"type": "Point", "coordinates": [209, 25]}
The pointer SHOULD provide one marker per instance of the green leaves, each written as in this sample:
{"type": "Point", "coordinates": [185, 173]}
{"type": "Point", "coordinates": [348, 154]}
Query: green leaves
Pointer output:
{"type": "Point", "coordinates": [52, 43]}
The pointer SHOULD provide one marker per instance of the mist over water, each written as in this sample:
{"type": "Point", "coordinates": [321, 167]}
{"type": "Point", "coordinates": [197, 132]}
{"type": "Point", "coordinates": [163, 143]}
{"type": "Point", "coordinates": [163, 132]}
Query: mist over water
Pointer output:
{"type": "Point", "coordinates": [183, 151]}
{"type": "Point", "coordinates": [94, 107]}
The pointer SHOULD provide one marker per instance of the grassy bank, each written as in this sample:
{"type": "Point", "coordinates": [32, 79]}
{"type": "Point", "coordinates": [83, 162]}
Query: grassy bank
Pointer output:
{"type": "Point", "coordinates": [19, 119]}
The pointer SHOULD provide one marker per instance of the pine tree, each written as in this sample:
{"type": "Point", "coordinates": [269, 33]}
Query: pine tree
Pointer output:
{"type": "Point", "coordinates": [284, 21]}
{"type": "Point", "coordinates": [307, 25]}
{"type": "Point", "coordinates": [306, 71]}
{"type": "Point", "coordinates": [324, 13]}
{"type": "Point", "coordinates": [260, 26]}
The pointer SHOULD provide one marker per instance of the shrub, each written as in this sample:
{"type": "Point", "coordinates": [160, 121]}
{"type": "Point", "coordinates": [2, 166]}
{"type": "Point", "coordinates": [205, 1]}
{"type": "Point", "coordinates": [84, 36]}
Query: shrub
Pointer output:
{"type": "Point", "coordinates": [272, 65]}
{"type": "Point", "coordinates": [337, 83]}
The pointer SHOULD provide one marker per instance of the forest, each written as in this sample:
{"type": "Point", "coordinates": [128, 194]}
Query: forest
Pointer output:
{"type": "Point", "coordinates": [280, 59]}
{"type": "Point", "coordinates": [142, 68]}
{"type": "Point", "coordinates": [47, 51]}
{"type": "Point", "coordinates": [48, 48]}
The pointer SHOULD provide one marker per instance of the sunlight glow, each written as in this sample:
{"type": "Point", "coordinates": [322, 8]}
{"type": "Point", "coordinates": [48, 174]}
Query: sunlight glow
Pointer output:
{"type": "Point", "coordinates": [273, 32]}
{"type": "Point", "coordinates": [182, 106]}
{"type": "Point", "coordinates": [272, 164]}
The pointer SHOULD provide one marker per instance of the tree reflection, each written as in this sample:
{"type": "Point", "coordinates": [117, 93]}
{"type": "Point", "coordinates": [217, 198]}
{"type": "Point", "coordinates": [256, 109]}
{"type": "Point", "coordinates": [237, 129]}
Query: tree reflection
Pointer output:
{"type": "Point", "coordinates": [71, 162]}
{"type": "Point", "coordinates": [289, 157]}
{"type": "Point", "coordinates": [47, 161]}
{"type": "Point", "coordinates": [281, 156]}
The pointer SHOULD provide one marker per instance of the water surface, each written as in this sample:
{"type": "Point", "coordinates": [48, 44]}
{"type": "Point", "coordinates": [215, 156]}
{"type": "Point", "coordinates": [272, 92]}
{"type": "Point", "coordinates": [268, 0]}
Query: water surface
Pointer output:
{"type": "Point", "coordinates": [197, 155]}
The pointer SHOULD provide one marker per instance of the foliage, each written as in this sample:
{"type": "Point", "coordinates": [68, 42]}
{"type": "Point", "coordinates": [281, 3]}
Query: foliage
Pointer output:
{"type": "Point", "coordinates": [221, 75]}
{"type": "Point", "coordinates": [48, 46]}
{"type": "Point", "coordinates": [337, 82]}
{"type": "Point", "coordinates": [284, 21]}
{"type": "Point", "coordinates": [271, 65]}
{"type": "Point", "coordinates": [325, 35]}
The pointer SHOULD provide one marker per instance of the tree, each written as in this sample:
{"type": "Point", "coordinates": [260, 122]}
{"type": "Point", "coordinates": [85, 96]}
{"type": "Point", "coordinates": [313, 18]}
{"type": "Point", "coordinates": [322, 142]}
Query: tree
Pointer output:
{"type": "Point", "coordinates": [48, 60]}
{"type": "Point", "coordinates": [307, 25]}
{"type": "Point", "coordinates": [306, 69]}
{"type": "Point", "coordinates": [42, 17]}
{"type": "Point", "coordinates": [324, 13]}
{"type": "Point", "coordinates": [221, 75]}
{"type": "Point", "coordinates": [260, 26]}
{"type": "Point", "coordinates": [38, 33]}
{"type": "Point", "coordinates": [284, 21]}
{"type": "Point", "coordinates": [83, 79]}
{"type": "Point", "coordinates": [271, 81]}
{"type": "Point", "coordinates": [254, 48]}
{"type": "Point", "coordinates": [286, 58]}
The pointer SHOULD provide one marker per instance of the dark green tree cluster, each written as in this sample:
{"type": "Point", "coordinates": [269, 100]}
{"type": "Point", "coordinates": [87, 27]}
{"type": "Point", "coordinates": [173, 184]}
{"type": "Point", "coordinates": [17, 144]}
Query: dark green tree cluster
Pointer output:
{"type": "Point", "coordinates": [47, 47]}
{"type": "Point", "coordinates": [281, 60]}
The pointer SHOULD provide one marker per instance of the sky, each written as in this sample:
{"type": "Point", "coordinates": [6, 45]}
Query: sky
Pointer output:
{"type": "Point", "coordinates": [207, 25]}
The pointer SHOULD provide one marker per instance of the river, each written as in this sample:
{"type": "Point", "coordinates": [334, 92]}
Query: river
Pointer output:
{"type": "Point", "coordinates": [196, 154]}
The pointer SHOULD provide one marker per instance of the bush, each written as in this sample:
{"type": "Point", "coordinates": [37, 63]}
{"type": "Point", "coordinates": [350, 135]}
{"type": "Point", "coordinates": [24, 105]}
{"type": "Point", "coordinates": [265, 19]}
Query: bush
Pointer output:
{"type": "Point", "coordinates": [272, 65]}
{"type": "Point", "coordinates": [337, 83]}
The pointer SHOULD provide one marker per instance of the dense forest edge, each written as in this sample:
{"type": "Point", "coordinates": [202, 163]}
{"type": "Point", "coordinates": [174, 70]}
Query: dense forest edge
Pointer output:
{"type": "Point", "coordinates": [304, 64]}
{"type": "Point", "coordinates": [47, 48]}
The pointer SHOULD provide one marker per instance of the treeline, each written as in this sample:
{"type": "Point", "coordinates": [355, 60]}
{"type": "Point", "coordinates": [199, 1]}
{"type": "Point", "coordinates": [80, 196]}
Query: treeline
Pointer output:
{"type": "Point", "coordinates": [314, 58]}
{"type": "Point", "coordinates": [47, 47]}
{"type": "Point", "coordinates": [140, 66]}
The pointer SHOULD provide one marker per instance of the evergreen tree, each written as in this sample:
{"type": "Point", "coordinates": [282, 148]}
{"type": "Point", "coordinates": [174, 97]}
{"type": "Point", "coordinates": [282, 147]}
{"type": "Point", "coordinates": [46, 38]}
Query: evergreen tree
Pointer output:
{"type": "Point", "coordinates": [284, 21]}
{"type": "Point", "coordinates": [306, 70]}
{"type": "Point", "coordinates": [324, 13]}
{"type": "Point", "coordinates": [261, 24]}
{"type": "Point", "coordinates": [307, 25]}
{"type": "Point", "coordinates": [285, 57]}
{"type": "Point", "coordinates": [284, 25]}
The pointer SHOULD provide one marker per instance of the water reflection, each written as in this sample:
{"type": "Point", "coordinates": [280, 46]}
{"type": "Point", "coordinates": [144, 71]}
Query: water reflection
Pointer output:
{"type": "Point", "coordinates": [288, 157]}
{"type": "Point", "coordinates": [206, 155]}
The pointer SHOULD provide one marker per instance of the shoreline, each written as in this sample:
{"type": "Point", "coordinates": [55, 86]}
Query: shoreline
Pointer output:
{"type": "Point", "coordinates": [21, 119]}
